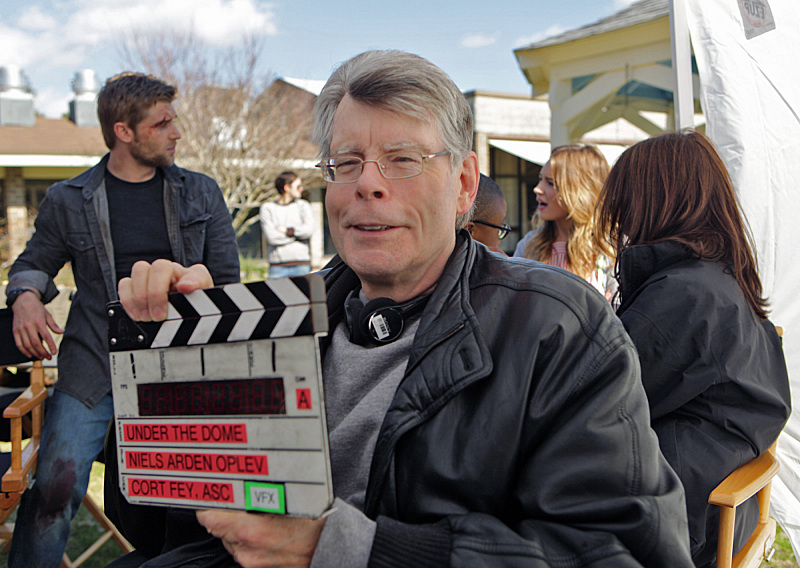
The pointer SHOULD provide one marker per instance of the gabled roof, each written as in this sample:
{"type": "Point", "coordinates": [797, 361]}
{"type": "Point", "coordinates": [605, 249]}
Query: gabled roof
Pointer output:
{"type": "Point", "coordinates": [636, 13]}
{"type": "Point", "coordinates": [313, 86]}
{"type": "Point", "coordinates": [59, 137]}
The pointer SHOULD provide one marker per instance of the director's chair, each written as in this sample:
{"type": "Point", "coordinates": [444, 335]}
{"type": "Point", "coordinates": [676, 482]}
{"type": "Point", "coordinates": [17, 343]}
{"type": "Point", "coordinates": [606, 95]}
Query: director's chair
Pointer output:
{"type": "Point", "coordinates": [753, 478]}
{"type": "Point", "coordinates": [19, 465]}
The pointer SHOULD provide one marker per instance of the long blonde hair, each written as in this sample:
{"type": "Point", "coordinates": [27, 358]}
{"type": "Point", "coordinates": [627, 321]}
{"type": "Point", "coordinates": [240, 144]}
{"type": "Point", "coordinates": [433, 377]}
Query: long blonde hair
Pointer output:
{"type": "Point", "coordinates": [578, 175]}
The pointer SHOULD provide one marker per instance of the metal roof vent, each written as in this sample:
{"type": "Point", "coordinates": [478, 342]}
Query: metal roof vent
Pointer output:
{"type": "Point", "coordinates": [16, 98]}
{"type": "Point", "coordinates": [83, 108]}
{"type": "Point", "coordinates": [12, 77]}
{"type": "Point", "coordinates": [85, 81]}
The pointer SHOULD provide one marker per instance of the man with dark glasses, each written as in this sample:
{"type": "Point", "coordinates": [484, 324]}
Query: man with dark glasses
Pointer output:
{"type": "Point", "coordinates": [489, 212]}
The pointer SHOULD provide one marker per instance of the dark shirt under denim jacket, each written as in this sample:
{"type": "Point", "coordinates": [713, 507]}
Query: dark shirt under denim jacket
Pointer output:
{"type": "Point", "coordinates": [73, 226]}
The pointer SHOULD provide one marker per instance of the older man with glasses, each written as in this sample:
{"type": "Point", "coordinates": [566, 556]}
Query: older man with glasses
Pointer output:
{"type": "Point", "coordinates": [503, 424]}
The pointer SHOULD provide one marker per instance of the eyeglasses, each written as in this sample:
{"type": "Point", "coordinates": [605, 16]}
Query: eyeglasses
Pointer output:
{"type": "Point", "coordinates": [394, 165]}
{"type": "Point", "coordinates": [502, 230]}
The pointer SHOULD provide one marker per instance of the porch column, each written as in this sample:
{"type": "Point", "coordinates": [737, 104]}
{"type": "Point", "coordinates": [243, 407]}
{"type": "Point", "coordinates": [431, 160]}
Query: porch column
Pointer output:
{"type": "Point", "coordinates": [16, 212]}
{"type": "Point", "coordinates": [481, 148]}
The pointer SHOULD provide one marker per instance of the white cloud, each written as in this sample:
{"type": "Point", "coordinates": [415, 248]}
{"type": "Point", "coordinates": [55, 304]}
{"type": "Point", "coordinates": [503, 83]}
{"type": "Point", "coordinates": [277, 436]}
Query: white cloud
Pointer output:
{"type": "Point", "coordinates": [14, 46]}
{"type": "Point", "coordinates": [84, 26]}
{"type": "Point", "coordinates": [33, 18]}
{"type": "Point", "coordinates": [474, 41]}
{"type": "Point", "coordinates": [52, 102]}
{"type": "Point", "coordinates": [51, 39]}
{"type": "Point", "coordinates": [219, 22]}
{"type": "Point", "coordinates": [225, 25]}
{"type": "Point", "coordinates": [553, 30]}
{"type": "Point", "coordinates": [620, 4]}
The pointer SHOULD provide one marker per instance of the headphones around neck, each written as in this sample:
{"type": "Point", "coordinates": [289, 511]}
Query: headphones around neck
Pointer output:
{"type": "Point", "coordinates": [379, 321]}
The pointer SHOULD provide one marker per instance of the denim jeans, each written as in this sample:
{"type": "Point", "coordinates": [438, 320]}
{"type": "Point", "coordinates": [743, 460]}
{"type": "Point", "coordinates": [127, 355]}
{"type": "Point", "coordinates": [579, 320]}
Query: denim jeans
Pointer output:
{"type": "Point", "coordinates": [72, 438]}
{"type": "Point", "coordinates": [279, 271]}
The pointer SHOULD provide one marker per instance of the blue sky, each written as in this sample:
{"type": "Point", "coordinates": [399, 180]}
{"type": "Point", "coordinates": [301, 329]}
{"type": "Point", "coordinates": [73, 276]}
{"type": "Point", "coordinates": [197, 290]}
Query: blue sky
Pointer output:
{"type": "Point", "coordinates": [471, 40]}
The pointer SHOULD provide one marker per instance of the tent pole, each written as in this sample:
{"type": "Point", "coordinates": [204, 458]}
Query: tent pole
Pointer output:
{"type": "Point", "coordinates": [683, 94]}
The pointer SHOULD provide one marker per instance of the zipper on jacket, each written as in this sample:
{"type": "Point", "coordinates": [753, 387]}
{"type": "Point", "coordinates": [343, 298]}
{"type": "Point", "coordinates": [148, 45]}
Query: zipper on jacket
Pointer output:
{"type": "Point", "coordinates": [383, 465]}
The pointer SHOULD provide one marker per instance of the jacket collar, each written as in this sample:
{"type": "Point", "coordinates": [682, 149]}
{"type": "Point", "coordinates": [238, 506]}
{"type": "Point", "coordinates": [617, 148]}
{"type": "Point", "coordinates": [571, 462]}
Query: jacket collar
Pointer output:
{"type": "Point", "coordinates": [639, 262]}
{"type": "Point", "coordinates": [449, 308]}
{"type": "Point", "coordinates": [448, 354]}
{"type": "Point", "coordinates": [89, 180]}
{"type": "Point", "coordinates": [449, 349]}
{"type": "Point", "coordinates": [448, 314]}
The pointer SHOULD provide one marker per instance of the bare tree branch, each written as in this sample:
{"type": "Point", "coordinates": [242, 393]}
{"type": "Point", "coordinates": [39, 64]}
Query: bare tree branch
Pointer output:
{"type": "Point", "coordinates": [239, 126]}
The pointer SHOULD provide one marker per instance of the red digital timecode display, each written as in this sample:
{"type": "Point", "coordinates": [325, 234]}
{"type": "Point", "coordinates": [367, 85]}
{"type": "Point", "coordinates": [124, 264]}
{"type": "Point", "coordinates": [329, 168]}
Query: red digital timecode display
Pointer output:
{"type": "Point", "coordinates": [213, 398]}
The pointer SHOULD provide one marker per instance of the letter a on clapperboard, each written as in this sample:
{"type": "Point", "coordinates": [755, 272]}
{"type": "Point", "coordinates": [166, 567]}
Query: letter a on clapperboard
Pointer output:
{"type": "Point", "coordinates": [304, 399]}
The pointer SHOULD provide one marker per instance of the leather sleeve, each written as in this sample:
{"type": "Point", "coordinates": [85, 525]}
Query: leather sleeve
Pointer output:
{"type": "Point", "coordinates": [592, 489]}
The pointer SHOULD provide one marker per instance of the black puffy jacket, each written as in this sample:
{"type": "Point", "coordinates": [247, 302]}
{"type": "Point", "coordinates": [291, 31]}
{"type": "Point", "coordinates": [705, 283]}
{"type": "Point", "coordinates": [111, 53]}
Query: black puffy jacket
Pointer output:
{"type": "Point", "coordinates": [714, 374]}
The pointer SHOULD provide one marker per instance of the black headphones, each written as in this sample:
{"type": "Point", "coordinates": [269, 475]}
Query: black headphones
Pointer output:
{"type": "Point", "coordinates": [381, 320]}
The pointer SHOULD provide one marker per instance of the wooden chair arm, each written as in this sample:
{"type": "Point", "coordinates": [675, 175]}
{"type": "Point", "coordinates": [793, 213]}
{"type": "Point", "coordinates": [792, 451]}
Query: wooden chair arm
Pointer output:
{"type": "Point", "coordinates": [23, 461]}
{"type": "Point", "coordinates": [29, 399]}
{"type": "Point", "coordinates": [746, 480]}
{"type": "Point", "coordinates": [16, 479]}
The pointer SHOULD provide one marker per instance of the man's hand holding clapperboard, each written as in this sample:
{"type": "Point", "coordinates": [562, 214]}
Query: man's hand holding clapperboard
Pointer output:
{"type": "Point", "coordinates": [221, 405]}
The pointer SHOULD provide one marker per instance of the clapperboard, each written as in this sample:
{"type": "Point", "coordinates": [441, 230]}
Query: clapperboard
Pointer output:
{"type": "Point", "coordinates": [221, 404]}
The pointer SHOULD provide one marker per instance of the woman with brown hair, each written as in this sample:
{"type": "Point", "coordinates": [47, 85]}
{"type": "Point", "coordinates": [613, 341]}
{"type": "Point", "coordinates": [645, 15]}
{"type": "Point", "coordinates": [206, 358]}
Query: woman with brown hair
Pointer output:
{"type": "Point", "coordinates": [563, 223]}
{"type": "Point", "coordinates": [692, 302]}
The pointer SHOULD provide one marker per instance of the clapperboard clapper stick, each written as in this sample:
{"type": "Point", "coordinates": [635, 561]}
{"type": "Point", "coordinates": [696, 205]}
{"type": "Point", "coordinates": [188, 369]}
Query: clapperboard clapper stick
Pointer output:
{"type": "Point", "coordinates": [221, 404]}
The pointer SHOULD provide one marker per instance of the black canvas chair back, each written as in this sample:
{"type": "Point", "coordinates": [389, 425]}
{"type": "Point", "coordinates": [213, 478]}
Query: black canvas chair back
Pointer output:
{"type": "Point", "coordinates": [9, 354]}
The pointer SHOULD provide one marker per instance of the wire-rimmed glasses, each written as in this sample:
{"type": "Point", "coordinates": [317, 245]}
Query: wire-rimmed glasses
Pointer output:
{"type": "Point", "coordinates": [401, 164]}
{"type": "Point", "coordinates": [502, 230]}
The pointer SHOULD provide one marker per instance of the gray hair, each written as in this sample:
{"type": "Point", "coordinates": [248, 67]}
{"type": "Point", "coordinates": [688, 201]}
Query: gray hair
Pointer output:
{"type": "Point", "coordinates": [403, 83]}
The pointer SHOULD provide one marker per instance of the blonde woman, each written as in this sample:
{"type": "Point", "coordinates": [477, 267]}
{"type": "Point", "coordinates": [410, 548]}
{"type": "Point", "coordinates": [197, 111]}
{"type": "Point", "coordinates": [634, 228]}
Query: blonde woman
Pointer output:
{"type": "Point", "coordinates": [562, 234]}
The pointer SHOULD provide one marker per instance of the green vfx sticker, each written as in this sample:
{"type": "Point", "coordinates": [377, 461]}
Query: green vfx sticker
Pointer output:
{"type": "Point", "coordinates": [265, 497]}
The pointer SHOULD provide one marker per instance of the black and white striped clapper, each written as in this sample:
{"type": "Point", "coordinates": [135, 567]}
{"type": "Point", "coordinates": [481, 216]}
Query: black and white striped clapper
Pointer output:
{"type": "Point", "coordinates": [283, 307]}
{"type": "Point", "coordinates": [221, 404]}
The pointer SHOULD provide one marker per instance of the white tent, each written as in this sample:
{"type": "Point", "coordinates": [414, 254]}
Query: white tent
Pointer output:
{"type": "Point", "coordinates": [751, 99]}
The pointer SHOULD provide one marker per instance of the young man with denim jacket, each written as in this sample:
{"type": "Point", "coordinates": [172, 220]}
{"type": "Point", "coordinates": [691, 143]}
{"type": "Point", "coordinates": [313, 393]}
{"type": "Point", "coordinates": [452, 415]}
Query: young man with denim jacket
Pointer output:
{"type": "Point", "coordinates": [135, 204]}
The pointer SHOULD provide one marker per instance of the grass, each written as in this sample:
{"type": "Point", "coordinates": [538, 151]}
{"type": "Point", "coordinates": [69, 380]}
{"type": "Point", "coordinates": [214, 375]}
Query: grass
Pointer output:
{"type": "Point", "coordinates": [85, 530]}
{"type": "Point", "coordinates": [783, 557]}
{"type": "Point", "coordinates": [252, 269]}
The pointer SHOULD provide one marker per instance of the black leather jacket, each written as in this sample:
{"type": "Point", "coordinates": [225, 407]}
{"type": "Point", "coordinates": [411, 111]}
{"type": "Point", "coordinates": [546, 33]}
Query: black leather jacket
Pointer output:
{"type": "Point", "coordinates": [519, 436]}
{"type": "Point", "coordinates": [714, 374]}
